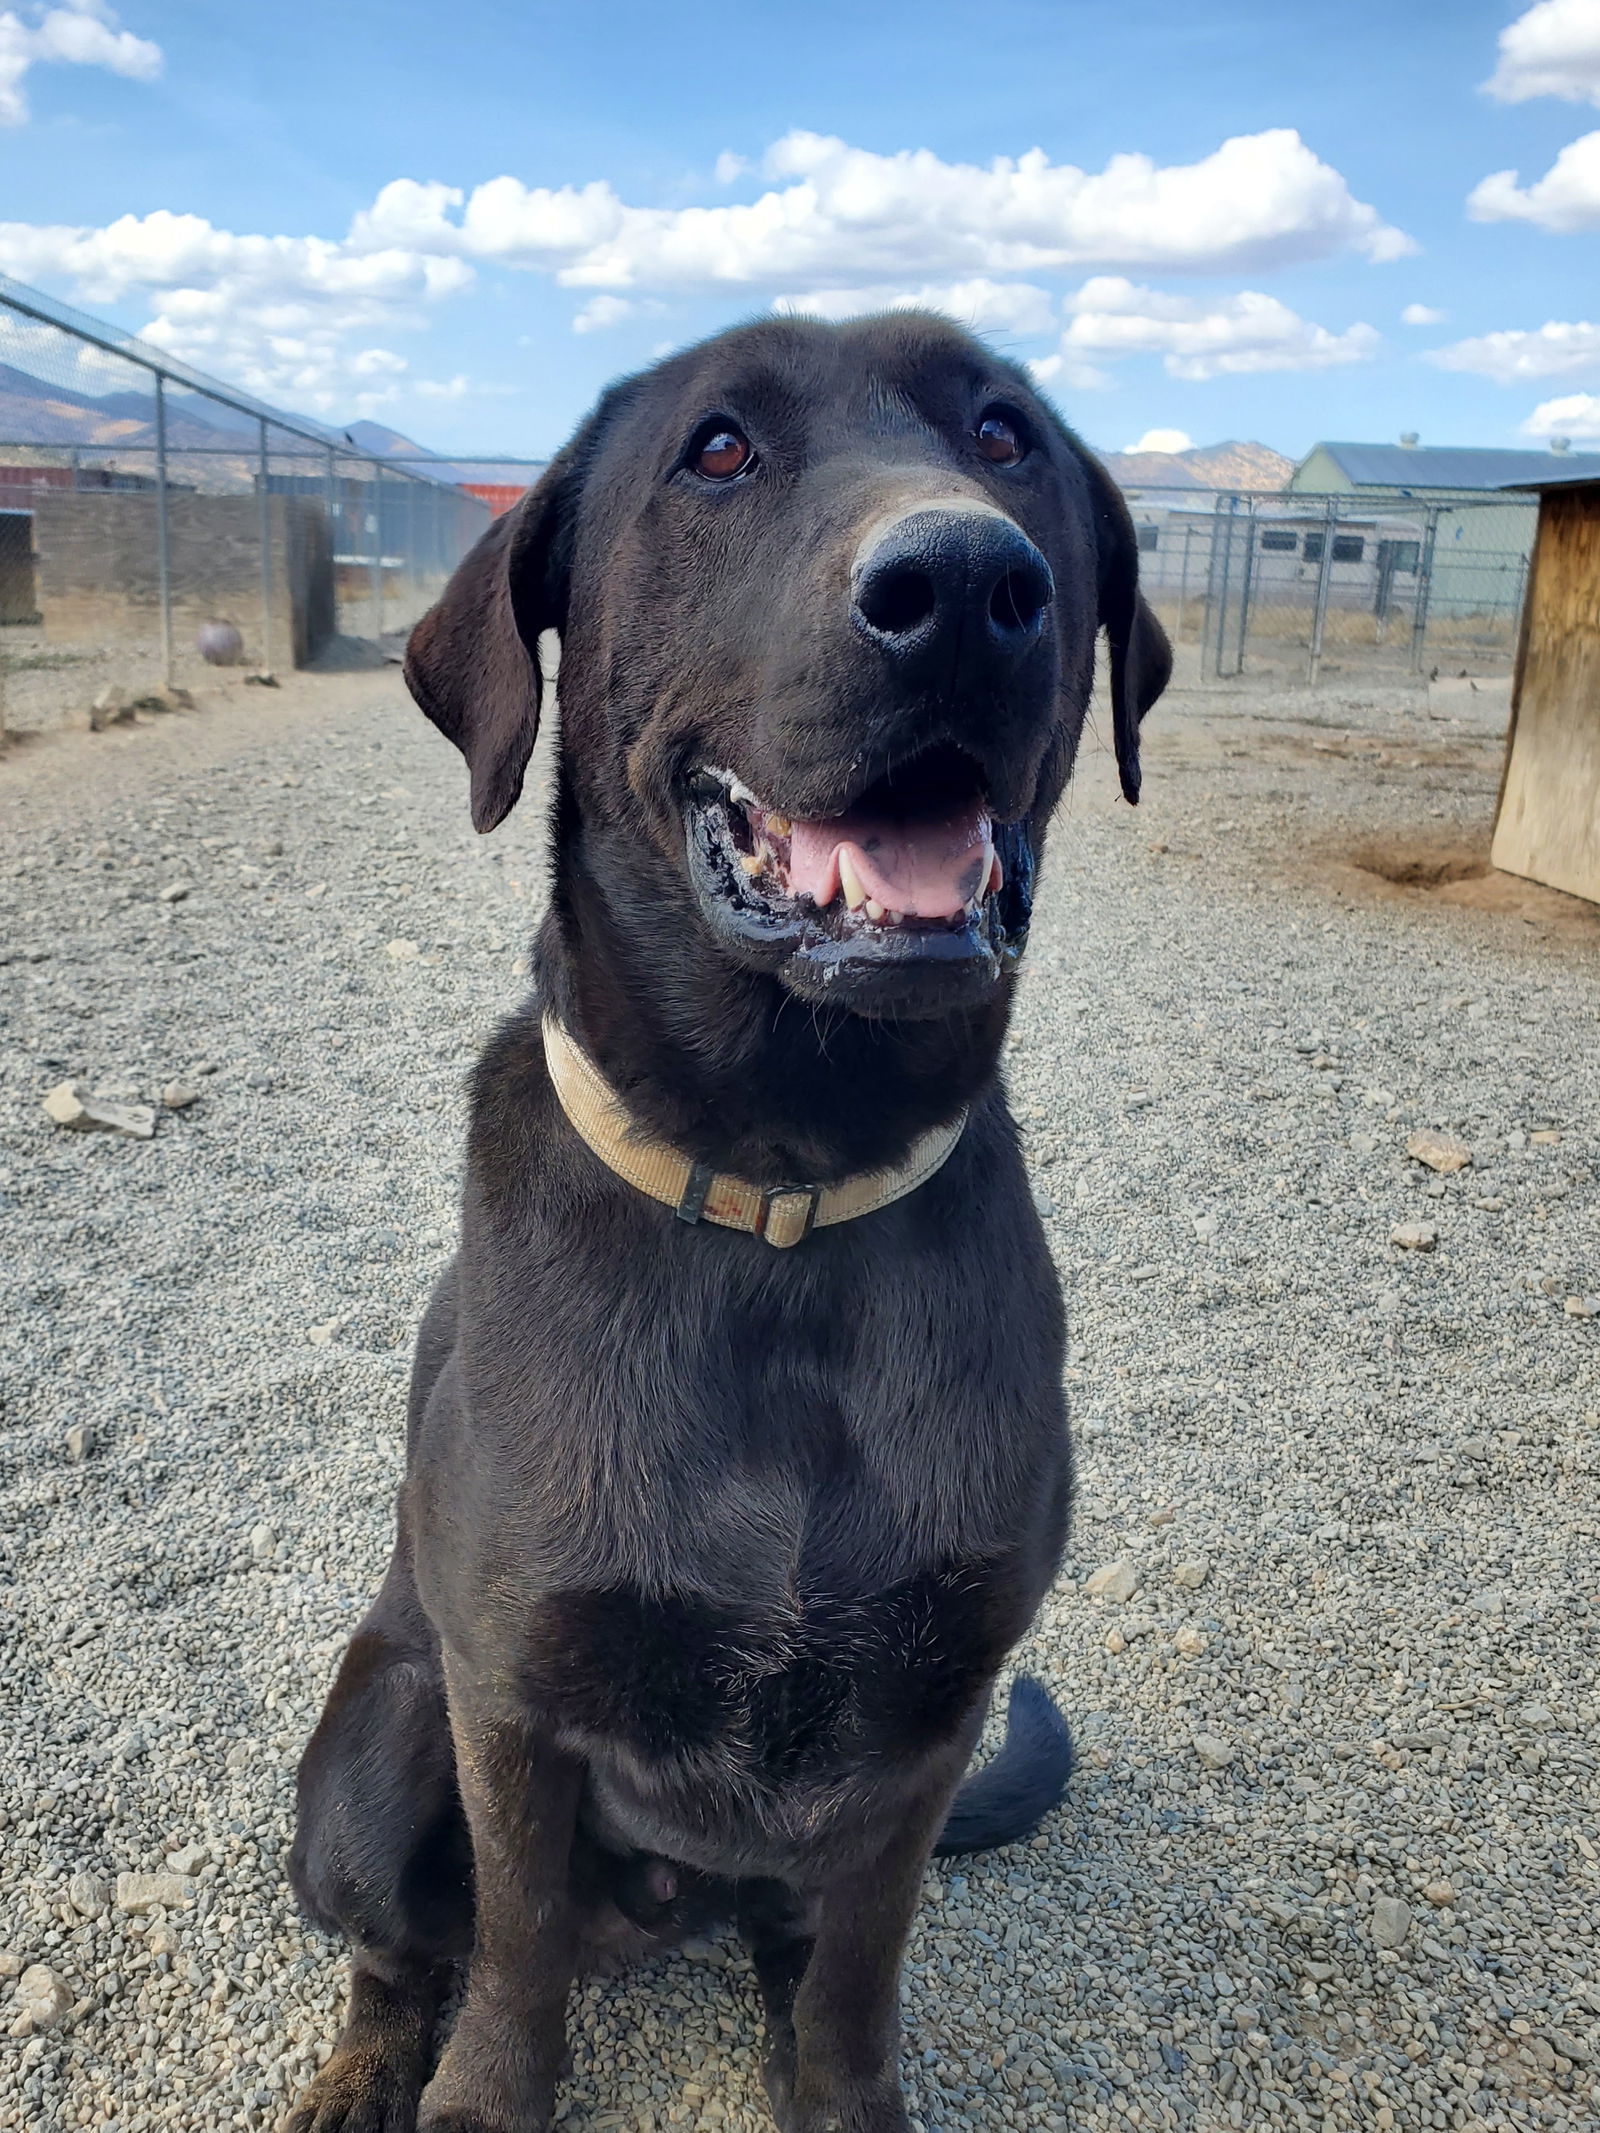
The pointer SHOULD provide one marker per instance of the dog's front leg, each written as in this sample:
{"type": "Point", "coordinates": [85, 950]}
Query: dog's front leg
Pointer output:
{"type": "Point", "coordinates": [499, 2070]}
{"type": "Point", "coordinates": [846, 2000]}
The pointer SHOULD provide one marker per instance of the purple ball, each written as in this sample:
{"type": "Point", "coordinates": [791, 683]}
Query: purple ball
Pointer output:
{"type": "Point", "coordinates": [219, 644]}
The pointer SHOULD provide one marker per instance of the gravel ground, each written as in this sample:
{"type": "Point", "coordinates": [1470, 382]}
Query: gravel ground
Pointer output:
{"type": "Point", "coordinates": [1328, 1630]}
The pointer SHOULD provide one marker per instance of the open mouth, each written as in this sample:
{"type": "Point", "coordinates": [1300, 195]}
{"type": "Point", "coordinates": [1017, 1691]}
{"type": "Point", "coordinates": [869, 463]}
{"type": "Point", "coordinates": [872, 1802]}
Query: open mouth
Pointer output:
{"type": "Point", "coordinates": [915, 872]}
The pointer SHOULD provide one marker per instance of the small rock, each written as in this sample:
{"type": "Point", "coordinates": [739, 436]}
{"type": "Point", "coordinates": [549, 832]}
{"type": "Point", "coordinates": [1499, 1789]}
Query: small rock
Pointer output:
{"type": "Point", "coordinates": [1582, 1306]}
{"type": "Point", "coordinates": [1439, 1892]}
{"type": "Point", "coordinates": [1191, 1576]}
{"type": "Point", "coordinates": [162, 1940]}
{"type": "Point", "coordinates": [110, 708]}
{"type": "Point", "coordinates": [1319, 1973]}
{"type": "Point", "coordinates": [188, 1858]}
{"type": "Point", "coordinates": [11, 1965]}
{"type": "Point", "coordinates": [1116, 1582]}
{"type": "Point", "coordinates": [42, 1999]}
{"type": "Point", "coordinates": [1115, 1640]}
{"type": "Point", "coordinates": [263, 1540]}
{"type": "Point", "coordinates": [153, 1892]}
{"type": "Point", "coordinates": [90, 1894]}
{"type": "Point", "coordinates": [79, 1441]}
{"type": "Point", "coordinates": [402, 951]}
{"type": "Point", "coordinates": [1163, 1515]}
{"type": "Point", "coordinates": [1545, 1137]}
{"type": "Point", "coordinates": [1536, 1717]}
{"type": "Point", "coordinates": [1215, 1752]}
{"type": "Point", "coordinates": [173, 893]}
{"type": "Point", "coordinates": [1191, 1642]}
{"type": "Point", "coordinates": [1440, 1151]}
{"type": "Point", "coordinates": [74, 1105]}
{"type": "Point", "coordinates": [1414, 1236]}
{"type": "Point", "coordinates": [1391, 1921]}
{"type": "Point", "coordinates": [1043, 1204]}
{"type": "Point", "coordinates": [128, 1747]}
{"type": "Point", "coordinates": [320, 1336]}
{"type": "Point", "coordinates": [178, 1096]}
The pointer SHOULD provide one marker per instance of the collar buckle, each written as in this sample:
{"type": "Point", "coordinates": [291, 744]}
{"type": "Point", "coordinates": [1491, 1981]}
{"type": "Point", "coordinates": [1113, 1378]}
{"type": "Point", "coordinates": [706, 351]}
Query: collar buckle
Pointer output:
{"type": "Point", "coordinates": [788, 1214]}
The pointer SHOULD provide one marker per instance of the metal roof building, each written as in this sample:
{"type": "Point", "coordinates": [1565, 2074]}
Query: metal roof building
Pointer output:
{"type": "Point", "coordinates": [1478, 537]}
{"type": "Point", "coordinates": [1432, 469]}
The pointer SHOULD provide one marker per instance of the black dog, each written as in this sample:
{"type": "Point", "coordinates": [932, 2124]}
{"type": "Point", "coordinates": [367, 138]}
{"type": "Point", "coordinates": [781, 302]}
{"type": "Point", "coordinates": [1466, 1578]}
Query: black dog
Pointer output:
{"type": "Point", "coordinates": [709, 1552]}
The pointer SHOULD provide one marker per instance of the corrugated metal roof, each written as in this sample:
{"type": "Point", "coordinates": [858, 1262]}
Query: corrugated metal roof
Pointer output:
{"type": "Point", "coordinates": [1423, 466]}
{"type": "Point", "coordinates": [1559, 481]}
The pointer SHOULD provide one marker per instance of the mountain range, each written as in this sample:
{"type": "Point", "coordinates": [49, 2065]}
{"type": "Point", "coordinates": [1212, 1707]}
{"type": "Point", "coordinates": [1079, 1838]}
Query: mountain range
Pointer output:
{"type": "Point", "coordinates": [1234, 465]}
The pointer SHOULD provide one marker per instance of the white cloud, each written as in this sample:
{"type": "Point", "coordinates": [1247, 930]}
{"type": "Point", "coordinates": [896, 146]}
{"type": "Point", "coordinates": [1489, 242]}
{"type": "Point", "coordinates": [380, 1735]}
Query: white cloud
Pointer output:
{"type": "Point", "coordinates": [1164, 441]}
{"type": "Point", "coordinates": [984, 306]}
{"type": "Point", "coordinates": [1072, 371]}
{"type": "Point", "coordinates": [1422, 315]}
{"type": "Point", "coordinates": [841, 229]}
{"type": "Point", "coordinates": [275, 315]}
{"type": "Point", "coordinates": [83, 33]}
{"type": "Point", "coordinates": [1565, 199]}
{"type": "Point", "coordinates": [1552, 50]}
{"type": "Point", "coordinates": [1559, 348]}
{"type": "Point", "coordinates": [602, 312]}
{"type": "Point", "coordinates": [1575, 415]}
{"type": "Point", "coordinates": [842, 217]}
{"type": "Point", "coordinates": [1205, 337]}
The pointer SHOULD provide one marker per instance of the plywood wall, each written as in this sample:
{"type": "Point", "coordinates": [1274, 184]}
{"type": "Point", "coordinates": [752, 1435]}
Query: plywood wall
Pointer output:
{"type": "Point", "coordinates": [1548, 827]}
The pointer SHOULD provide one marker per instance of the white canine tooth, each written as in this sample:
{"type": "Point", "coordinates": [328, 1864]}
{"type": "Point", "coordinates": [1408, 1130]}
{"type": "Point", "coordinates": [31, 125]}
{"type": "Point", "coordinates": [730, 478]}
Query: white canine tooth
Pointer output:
{"type": "Point", "coordinates": [850, 882]}
{"type": "Point", "coordinates": [752, 862]}
{"type": "Point", "coordinates": [897, 918]}
{"type": "Point", "coordinates": [875, 911]}
{"type": "Point", "coordinates": [780, 825]}
{"type": "Point", "coordinates": [997, 875]}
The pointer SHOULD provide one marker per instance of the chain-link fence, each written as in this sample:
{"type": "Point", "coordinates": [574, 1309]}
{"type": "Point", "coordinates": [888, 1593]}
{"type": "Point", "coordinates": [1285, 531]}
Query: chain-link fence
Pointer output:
{"type": "Point", "coordinates": [1302, 587]}
{"type": "Point", "coordinates": [152, 519]}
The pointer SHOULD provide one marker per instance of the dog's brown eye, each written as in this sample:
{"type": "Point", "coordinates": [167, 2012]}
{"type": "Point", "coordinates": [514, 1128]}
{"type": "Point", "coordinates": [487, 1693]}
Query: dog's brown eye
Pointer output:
{"type": "Point", "coordinates": [724, 454]}
{"type": "Point", "coordinates": [999, 439]}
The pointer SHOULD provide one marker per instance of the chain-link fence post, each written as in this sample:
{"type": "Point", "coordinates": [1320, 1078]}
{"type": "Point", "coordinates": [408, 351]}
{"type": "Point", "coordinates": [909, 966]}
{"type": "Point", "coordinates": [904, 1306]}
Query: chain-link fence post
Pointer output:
{"type": "Point", "coordinates": [266, 553]}
{"type": "Point", "coordinates": [1419, 612]}
{"type": "Point", "coordinates": [163, 531]}
{"type": "Point", "coordinates": [377, 551]}
{"type": "Point", "coordinates": [1319, 608]}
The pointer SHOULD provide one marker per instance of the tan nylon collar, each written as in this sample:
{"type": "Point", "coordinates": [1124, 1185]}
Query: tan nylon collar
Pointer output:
{"type": "Point", "coordinates": [783, 1214]}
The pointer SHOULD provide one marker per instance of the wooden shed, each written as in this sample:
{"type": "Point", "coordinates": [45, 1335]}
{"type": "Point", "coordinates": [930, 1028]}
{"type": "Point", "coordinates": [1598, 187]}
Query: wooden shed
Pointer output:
{"type": "Point", "coordinates": [1548, 824]}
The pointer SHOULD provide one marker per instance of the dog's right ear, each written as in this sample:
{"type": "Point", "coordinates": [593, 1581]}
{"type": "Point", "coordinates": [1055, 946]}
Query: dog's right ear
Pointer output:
{"type": "Point", "coordinates": [472, 662]}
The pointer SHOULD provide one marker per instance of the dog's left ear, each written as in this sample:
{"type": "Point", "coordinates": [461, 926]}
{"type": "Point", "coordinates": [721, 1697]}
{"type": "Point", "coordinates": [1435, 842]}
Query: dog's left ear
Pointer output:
{"type": "Point", "coordinates": [1141, 658]}
{"type": "Point", "coordinates": [472, 661]}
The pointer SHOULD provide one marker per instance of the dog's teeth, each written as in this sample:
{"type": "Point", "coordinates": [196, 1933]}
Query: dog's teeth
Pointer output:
{"type": "Point", "coordinates": [850, 881]}
{"type": "Point", "coordinates": [752, 862]}
{"type": "Point", "coordinates": [897, 918]}
{"type": "Point", "coordinates": [875, 911]}
{"type": "Point", "coordinates": [779, 825]}
{"type": "Point", "coordinates": [997, 875]}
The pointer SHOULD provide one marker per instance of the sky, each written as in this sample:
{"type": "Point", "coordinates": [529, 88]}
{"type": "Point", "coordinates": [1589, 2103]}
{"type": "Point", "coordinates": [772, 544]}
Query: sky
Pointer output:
{"type": "Point", "coordinates": [1195, 219]}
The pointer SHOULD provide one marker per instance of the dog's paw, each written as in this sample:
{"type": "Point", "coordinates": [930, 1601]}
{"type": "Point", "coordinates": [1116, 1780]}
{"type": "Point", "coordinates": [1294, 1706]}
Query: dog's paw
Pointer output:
{"type": "Point", "coordinates": [469, 2097]}
{"type": "Point", "coordinates": [356, 2092]}
{"type": "Point", "coordinates": [879, 2109]}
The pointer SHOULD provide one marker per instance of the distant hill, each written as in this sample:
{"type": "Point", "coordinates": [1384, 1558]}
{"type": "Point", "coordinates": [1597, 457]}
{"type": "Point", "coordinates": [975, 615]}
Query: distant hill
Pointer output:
{"type": "Point", "coordinates": [32, 411]}
{"type": "Point", "coordinates": [1233, 465]}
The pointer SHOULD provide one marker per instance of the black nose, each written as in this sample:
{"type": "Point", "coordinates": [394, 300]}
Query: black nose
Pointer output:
{"type": "Point", "coordinates": [954, 587]}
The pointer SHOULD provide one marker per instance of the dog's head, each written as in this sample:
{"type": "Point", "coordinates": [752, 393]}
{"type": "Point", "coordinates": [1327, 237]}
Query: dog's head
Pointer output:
{"type": "Point", "coordinates": [828, 599]}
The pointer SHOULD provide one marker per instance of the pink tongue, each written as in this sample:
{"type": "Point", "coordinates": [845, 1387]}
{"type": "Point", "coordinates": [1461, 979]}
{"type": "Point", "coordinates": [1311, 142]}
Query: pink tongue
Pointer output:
{"type": "Point", "coordinates": [928, 867]}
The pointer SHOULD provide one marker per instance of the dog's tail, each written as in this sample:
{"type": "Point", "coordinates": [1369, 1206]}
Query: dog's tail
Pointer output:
{"type": "Point", "coordinates": [1019, 1784]}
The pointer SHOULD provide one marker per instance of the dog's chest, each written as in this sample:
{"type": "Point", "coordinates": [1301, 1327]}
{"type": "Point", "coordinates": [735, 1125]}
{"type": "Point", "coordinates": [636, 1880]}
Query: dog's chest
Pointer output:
{"type": "Point", "coordinates": [780, 1691]}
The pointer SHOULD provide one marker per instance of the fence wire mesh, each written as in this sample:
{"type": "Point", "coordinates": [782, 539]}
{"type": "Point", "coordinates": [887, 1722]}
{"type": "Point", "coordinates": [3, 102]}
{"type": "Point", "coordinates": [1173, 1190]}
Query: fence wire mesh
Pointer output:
{"type": "Point", "coordinates": [151, 517]}
{"type": "Point", "coordinates": [1301, 587]}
